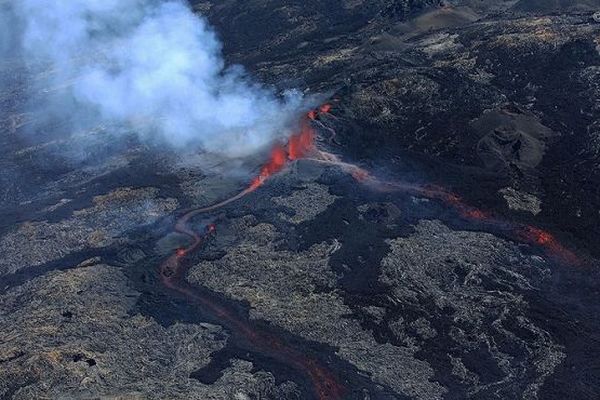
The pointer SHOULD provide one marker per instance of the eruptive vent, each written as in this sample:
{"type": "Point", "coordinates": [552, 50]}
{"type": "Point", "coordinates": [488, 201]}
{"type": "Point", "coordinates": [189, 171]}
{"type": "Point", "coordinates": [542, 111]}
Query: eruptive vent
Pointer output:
{"type": "Point", "coordinates": [299, 145]}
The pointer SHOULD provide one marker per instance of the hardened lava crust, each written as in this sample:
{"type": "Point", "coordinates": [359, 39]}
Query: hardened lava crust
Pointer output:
{"type": "Point", "coordinates": [443, 244]}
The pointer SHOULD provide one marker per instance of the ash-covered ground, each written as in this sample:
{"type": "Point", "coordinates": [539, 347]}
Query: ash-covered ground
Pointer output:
{"type": "Point", "coordinates": [395, 294]}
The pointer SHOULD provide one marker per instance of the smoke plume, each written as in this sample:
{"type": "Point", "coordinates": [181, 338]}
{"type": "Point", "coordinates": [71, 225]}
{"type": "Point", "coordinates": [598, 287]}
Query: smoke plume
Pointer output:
{"type": "Point", "coordinates": [152, 64]}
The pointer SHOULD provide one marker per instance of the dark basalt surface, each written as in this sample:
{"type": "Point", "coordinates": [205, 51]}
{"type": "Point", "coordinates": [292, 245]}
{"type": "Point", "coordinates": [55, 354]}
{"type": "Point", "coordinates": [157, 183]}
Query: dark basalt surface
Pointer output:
{"type": "Point", "coordinates": [398, 296]}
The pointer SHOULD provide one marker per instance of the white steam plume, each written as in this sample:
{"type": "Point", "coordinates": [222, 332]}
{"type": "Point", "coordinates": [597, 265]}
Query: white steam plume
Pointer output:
{"type": "Point", "coordinates": [125, 61]}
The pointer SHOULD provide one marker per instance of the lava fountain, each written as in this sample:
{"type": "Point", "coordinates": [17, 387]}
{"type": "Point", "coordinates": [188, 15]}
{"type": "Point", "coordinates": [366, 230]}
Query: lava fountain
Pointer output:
{"type": "Point", "coordinates": [299, 145]}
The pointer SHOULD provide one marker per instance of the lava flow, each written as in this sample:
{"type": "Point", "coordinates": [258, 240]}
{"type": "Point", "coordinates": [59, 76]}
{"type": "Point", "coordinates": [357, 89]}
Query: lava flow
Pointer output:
{"type": "Point", "coordinates": [524, 233]}
{"type": "Point", "coordinates": [521, 232]}
{"type": "Point", "coordinates": [174, 269]}
{"type": "Point", "coordinates": [172, 274]}
{"type": "Point", "coordinates": [299, 146]}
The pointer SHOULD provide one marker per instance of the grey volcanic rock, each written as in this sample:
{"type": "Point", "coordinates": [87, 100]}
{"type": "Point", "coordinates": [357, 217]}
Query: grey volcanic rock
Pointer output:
{"type": "Point", "coordinates": [435, 264]}
{"type": "Point", "coordinates": [287, 288]}
{"type": "Point", "coordinates": [557, 5]}
{"type": "Point", "coordinates": [34, 243]}
{"type": "Point", "coordinates": [521, 201]}
{"type": "Point", "coordinates": [84, 343]}
{"type": "Point", "coordinates": [397, 295]}
{"type": "Point", "coordinates": [307, 203]}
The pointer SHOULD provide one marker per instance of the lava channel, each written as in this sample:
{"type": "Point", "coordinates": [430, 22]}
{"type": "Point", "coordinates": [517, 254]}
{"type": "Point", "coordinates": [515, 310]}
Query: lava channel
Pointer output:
{"type": "Point", "coordinates": [172, 271]}
{"type": "Point", "coordinates": [172, 274]}
{"type": "Point", "coordinates": [517, 231]}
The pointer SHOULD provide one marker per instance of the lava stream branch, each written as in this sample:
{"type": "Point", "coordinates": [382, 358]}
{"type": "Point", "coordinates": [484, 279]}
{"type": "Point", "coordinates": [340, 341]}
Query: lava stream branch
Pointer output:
{"type": "Point", "coordinates": [521, 232]}
{"type": "Point", "coordinates": [172, 274]}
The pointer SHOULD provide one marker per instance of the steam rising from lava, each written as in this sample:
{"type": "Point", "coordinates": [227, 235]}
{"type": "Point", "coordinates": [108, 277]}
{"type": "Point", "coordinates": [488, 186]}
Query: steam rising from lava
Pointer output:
{"type": "Point", "coordinates": [151, 61]}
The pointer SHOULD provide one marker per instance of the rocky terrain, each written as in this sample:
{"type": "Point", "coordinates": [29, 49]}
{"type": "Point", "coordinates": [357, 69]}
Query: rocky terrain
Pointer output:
{"type": "Point", "coordinates": [395, 295]}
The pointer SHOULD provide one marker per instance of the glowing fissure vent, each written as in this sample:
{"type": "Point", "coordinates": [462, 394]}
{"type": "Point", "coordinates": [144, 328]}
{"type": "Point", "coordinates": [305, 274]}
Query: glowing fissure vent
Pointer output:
{"type": "Point", "coordinates": [299, 145]}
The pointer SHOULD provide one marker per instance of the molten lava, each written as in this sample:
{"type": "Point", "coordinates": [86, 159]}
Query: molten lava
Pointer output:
{"type": "Point", "coordinates": [540, 236]}
{"type": "Point", "coordinates": [275, 164]}
{"type": "Point", "coordinates": [475, 214]}
{"type": "Point", "coordinates": [302, 144]}
{"type": "Point", "coordinates": [299, 145]}
{"type": "Point", "coordinates": [537, 236]}
{"type": "Point", "coordinates": [172, 273]}
{"type": "Point", "coordinates": [524, 233]}
{"type": "Point", "coordinates": [325, 108]}
{"type": "Point", "coordinates": [360, 175]}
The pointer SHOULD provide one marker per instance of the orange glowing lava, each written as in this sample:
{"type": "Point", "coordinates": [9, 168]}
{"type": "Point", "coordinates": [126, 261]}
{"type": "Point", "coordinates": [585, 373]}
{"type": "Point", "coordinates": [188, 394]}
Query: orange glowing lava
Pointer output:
{"type": "Point", "coordinates": [540, 236]}
{"type": "Point", "coordinates": [360, 175]}
{"type": "Point", "coordinates": [299, 145]}
{"type": "Point", "coordinates": [474, 214]}
{"type": "Point", "coordinates": [275, 164]}
{"type": "Point", "coordinates": [325, 108]}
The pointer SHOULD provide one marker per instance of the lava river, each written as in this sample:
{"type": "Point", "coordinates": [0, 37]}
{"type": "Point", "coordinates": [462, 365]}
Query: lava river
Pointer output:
{"type": "Point", "coordinates": [324, 383]}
